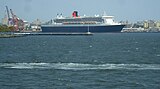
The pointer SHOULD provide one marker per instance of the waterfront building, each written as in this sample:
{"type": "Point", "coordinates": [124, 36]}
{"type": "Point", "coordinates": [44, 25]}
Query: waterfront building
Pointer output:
{"type": "Point", "coordinates": [5, 20]}
{"type": "Point", "coordinates": [158, 24]}
{"type": "Point", "coordinates": [146, 25]}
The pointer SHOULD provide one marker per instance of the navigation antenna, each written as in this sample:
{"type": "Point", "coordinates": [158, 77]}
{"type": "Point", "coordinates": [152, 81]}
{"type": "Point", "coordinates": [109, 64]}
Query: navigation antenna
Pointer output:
{"type": "Point", "coordinates": [104, 13]}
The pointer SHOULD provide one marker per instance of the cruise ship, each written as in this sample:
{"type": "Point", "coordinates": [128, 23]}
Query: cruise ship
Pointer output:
{"type": "Point", "coordinates": [82, 24]}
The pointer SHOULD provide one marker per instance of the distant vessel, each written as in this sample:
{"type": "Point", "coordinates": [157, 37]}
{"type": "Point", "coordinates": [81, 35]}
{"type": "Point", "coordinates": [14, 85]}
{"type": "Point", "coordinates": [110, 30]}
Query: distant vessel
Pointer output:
{"type": "Point", "coordinates": [74, 24]}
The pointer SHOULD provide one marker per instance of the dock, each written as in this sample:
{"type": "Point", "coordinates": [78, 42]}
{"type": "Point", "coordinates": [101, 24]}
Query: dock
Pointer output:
{"type": "Point", "coordinates": [22, 34]}
{"type": "Point", "coordinates": [43, 33]}
{"type": "Point", "coordinates": [10, 35]}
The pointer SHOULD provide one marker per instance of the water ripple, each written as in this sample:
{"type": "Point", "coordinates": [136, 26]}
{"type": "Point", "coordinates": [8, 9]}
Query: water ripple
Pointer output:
{"type": "Point", "coordinates": [80, 66]}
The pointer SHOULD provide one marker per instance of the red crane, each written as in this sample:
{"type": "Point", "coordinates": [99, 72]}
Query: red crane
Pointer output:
{"type": "Point", "coordinates": [14, 20]}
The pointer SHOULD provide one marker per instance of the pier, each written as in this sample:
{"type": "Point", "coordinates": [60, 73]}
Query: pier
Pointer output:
{"type": "Point", "coordinates": [10, 35]}
{"type": "Point", "coordinates": [43, 33]}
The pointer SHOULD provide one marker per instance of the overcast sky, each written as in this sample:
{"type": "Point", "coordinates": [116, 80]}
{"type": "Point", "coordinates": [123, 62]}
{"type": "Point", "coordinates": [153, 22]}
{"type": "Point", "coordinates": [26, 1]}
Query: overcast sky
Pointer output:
{"type": "Point", "coordinates": [131, 10]}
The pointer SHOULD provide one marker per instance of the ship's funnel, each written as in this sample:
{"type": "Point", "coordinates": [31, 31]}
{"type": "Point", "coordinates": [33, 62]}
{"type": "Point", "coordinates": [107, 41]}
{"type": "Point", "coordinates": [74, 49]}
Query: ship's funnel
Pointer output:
{"type": "Point", "coordinates": [75, 14]}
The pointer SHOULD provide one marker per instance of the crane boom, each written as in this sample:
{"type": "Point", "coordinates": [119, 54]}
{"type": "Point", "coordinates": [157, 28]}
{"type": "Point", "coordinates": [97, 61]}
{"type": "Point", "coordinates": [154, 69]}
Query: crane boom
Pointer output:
{"type": "Point", "coordinates": [14, 20]}
{"type": "Point", "coordinates": [8, 14]}
{"type": "Point", "coordinates": [13, 16]}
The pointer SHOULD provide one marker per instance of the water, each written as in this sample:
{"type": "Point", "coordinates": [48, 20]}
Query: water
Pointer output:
{"type": "Point", "coordinates": [101, 61]}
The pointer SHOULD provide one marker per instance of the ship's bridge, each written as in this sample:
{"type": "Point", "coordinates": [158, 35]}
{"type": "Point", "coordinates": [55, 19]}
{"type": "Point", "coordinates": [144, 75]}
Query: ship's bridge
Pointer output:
{"type": "Point", "coordinates": [109, 20]}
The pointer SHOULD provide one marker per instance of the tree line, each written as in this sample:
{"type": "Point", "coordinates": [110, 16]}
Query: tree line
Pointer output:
{"type": "Point", "coordinates": [5, 28]}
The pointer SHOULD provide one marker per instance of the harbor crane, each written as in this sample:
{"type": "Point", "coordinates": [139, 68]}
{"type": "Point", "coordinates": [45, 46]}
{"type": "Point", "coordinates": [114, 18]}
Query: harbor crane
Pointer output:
{"type": "Point", "coordinates": [14, 21]}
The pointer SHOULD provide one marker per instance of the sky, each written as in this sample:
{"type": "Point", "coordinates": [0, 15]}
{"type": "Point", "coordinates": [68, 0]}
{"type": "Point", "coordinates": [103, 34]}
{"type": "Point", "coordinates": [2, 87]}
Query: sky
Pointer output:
{"type": "Point", "coordinates": [123, 10]}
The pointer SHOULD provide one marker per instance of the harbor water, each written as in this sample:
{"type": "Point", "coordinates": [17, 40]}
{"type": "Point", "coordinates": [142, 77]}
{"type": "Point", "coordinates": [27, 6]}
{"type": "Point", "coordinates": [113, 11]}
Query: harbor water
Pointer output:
{"type": "Point", "coordinates": [99, 61]}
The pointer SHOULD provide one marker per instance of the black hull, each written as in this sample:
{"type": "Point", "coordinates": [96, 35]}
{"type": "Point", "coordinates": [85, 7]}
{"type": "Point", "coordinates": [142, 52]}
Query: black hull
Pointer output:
{"type": "Point", "coordinates": [82, 29]}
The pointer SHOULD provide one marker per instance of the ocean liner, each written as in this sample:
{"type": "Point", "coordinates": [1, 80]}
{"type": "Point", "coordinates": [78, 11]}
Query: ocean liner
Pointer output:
{"type": "Point", "coordinates": [82, 24]}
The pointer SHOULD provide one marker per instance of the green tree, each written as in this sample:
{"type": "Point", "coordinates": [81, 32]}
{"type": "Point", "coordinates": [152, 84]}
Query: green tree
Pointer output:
{"type": "Point", "coordinates": [5, 28]}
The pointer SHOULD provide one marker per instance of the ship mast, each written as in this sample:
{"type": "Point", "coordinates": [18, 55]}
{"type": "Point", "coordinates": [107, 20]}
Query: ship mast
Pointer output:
{"type": "Point", "coordinates": [88, 32]}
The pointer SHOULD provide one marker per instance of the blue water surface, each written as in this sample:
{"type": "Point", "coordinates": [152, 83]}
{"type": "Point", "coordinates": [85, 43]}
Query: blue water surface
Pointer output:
{"type": "Point", "coordinates": [101, 61]}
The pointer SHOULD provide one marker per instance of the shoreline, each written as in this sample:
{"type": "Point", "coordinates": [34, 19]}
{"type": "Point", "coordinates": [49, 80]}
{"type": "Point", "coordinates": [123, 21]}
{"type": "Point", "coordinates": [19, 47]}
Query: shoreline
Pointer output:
{"type": "Point", "coordinates": [10, 35]}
